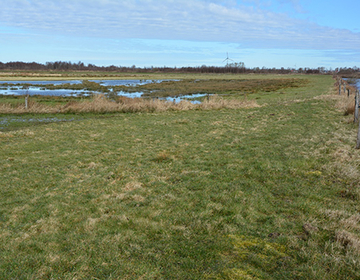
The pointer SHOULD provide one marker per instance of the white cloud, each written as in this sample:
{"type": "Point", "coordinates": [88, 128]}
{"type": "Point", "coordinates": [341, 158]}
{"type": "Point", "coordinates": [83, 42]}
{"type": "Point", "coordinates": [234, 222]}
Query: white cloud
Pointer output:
{"type": "Point", "coordinates": [295, 4]}
{"type": "Point", "coordinates": [193, 20]}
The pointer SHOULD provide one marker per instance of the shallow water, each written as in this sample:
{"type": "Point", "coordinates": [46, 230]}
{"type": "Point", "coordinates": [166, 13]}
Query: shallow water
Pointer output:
{"type": "Point", "coordinates": [186, 97]}
{"type": "Point", "coordinates": [125, 82]}
{"type": "Point", "coordinates": [75, 82]}
{"type": "Point", "coordinates": [41, 91]}
{"type": "Point", "coordinates": [17, 88]}
{"type": "Point", "coordinates": [357, 83]}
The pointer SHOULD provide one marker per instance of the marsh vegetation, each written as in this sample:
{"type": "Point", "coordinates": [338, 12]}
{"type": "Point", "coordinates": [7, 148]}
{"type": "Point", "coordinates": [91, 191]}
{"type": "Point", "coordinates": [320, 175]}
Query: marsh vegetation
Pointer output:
{"type": "Point", "coordinates": [225, 93]}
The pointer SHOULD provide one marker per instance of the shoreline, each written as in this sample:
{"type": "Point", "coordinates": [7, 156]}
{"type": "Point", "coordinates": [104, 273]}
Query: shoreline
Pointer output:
{"type": "Point", "coordinates": [355, 85]}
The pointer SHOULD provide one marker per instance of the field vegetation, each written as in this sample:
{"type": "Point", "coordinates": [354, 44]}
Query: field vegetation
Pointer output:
{"type": "Point", "coordinates": [266, 188]}
{"type": "Point", "coordinates": [217, 86]}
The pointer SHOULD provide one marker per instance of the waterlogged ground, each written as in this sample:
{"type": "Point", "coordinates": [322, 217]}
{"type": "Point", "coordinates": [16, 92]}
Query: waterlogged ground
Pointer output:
{"type": "Point", "coordinates": [12, 122]}
{"type": "Point", "coordinates": [151, 88]}
{"type": "Point", "coordinates": [71, 87]}
{"type": "Point", "coordinates": [66, 92]}
{"type": "Point", "coordinates": [113, 88]}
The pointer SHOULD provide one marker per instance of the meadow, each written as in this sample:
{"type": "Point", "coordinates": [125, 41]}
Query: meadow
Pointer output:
{"type": "Point", "coordinates": [264, 186]}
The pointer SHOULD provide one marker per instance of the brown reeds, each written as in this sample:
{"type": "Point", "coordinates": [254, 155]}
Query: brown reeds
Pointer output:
{"type": "Point", "coordinates": [101, 104]}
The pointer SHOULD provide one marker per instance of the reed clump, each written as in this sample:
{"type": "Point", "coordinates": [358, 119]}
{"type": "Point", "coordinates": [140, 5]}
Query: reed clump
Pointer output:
{"type": "Point", "coordinates": [101, 104]}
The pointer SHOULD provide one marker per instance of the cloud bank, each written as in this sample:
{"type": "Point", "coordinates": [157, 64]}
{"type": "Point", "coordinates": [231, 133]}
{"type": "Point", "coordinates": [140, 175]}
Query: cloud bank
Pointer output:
{"type": "Point", "coordinates": [191, 20]}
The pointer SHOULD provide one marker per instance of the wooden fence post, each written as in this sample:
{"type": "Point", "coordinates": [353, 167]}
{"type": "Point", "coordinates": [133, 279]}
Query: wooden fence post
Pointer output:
{"type": "Point", "coordinates": [27, 98]}
{"type": "Point", "coordinates": [339, 87]}
{"type": "Point", "coordinates": [356, 111]}
{"type": "Point", "coordinates": [344, 88]}
{"type": "Point", "coordinates": [348, 90]}
{"type": "Point", "coordinates": [26, 102]}
{"type": "Point", "coordinates": [357, 106]}
{"type": "Point", "coordinates": [358, 138]}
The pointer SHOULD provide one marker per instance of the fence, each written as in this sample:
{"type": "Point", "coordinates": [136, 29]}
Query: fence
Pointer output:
{"type": "Point", "coordinates": [356, 117]}
{"type": "Point", "coordinates": [349, 90]}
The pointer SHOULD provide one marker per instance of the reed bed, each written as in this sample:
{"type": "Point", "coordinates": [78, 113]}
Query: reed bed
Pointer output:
{"type": "Point", "coordinates": [101, 104]}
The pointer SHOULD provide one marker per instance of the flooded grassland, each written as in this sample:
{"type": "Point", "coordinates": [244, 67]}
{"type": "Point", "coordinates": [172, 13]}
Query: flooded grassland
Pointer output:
{"type": "Point", "coordinates": [136, 95]}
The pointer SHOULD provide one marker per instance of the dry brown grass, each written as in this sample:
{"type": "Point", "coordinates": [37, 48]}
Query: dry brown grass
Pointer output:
{"type": "Point", "coordinates": [343, 103]}
{"type": "Point", "coordinates": [346, 227]}
{"type": "Point", "coordinates": [33, 108]}
{"type": "Point", "coordinates": [348, 240]}
{"type": "Point", "coordinates": [345, 167]}
{"type": "Point", "coordinates": [346, 104]}
{"type": "Point", "coordinates": [100, 104]}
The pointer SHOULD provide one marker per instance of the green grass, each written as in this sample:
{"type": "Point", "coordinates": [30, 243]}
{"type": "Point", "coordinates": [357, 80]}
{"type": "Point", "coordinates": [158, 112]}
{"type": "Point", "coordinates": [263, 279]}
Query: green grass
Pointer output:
{"type": "Point", "coordinates": [260, 193]}
{"type": "Point", "coordinates": [13, 122]}
{"type": "Point", "coordinates": [233, 87]}
{"type": "Point", "coordinates": [89, 75]}
{"type": "Point", "coordinates": [19, 100]}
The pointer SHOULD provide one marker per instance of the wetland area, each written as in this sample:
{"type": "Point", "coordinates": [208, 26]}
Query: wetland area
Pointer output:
{"type": "Point", "coordinates": [126, 95]}
{"type": "Point", "coordinates": [185, 88]}
{"type": "Point", "coordinates": [261, 181]}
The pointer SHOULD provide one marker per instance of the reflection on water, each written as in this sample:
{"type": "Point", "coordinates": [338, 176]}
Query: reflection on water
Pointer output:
{"type": "Point", "coordinates": [34, 88]}
{"type": "Point", "coordinates": [358, 84]}
{"type": "Point", "coordinates": [137, 94]}
{"type": "Point", "coordinates": [186, 97]}
{"type": "Point", "coordinates": [22, 88]}
{"type": "Point", "coordinates": [19, 90]}
{"type": "Point", "coordinates": [76, 82]}
{"type": "Point", "coordinates": [355, 82]}
{"type": "Point", "coordinates": [125, 82]}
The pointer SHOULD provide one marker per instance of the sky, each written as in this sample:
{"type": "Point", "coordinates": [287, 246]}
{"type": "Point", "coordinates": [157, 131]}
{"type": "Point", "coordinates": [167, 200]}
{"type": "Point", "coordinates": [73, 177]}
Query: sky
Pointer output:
{"type": "Point", "coordinates": [177, 33]}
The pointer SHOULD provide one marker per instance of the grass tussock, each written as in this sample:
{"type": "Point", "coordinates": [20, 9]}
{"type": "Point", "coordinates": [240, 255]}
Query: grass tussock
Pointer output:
{"type": "Point", "coordinates": [101, 104]}
{"type": "Point", "coordinates": [345, 104]}
{"type": "Point", "coordinates": [348, 240]}
{"type": "Point", "coordinates": [345, 226]}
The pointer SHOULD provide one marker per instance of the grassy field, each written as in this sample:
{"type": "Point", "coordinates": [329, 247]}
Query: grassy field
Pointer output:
{"type": "Point", "coordinates": [90, 75]}
{"type": "Point", "coordinates": [263, 192]}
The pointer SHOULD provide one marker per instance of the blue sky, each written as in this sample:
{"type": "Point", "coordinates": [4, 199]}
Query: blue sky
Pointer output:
{"type": "Point", "coordinates": [260, 33]}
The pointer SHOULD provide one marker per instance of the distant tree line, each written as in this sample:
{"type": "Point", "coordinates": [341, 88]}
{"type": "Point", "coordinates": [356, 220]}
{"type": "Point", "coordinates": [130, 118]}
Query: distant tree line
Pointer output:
{"type": "Point", "coordinates": [235, 68]}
